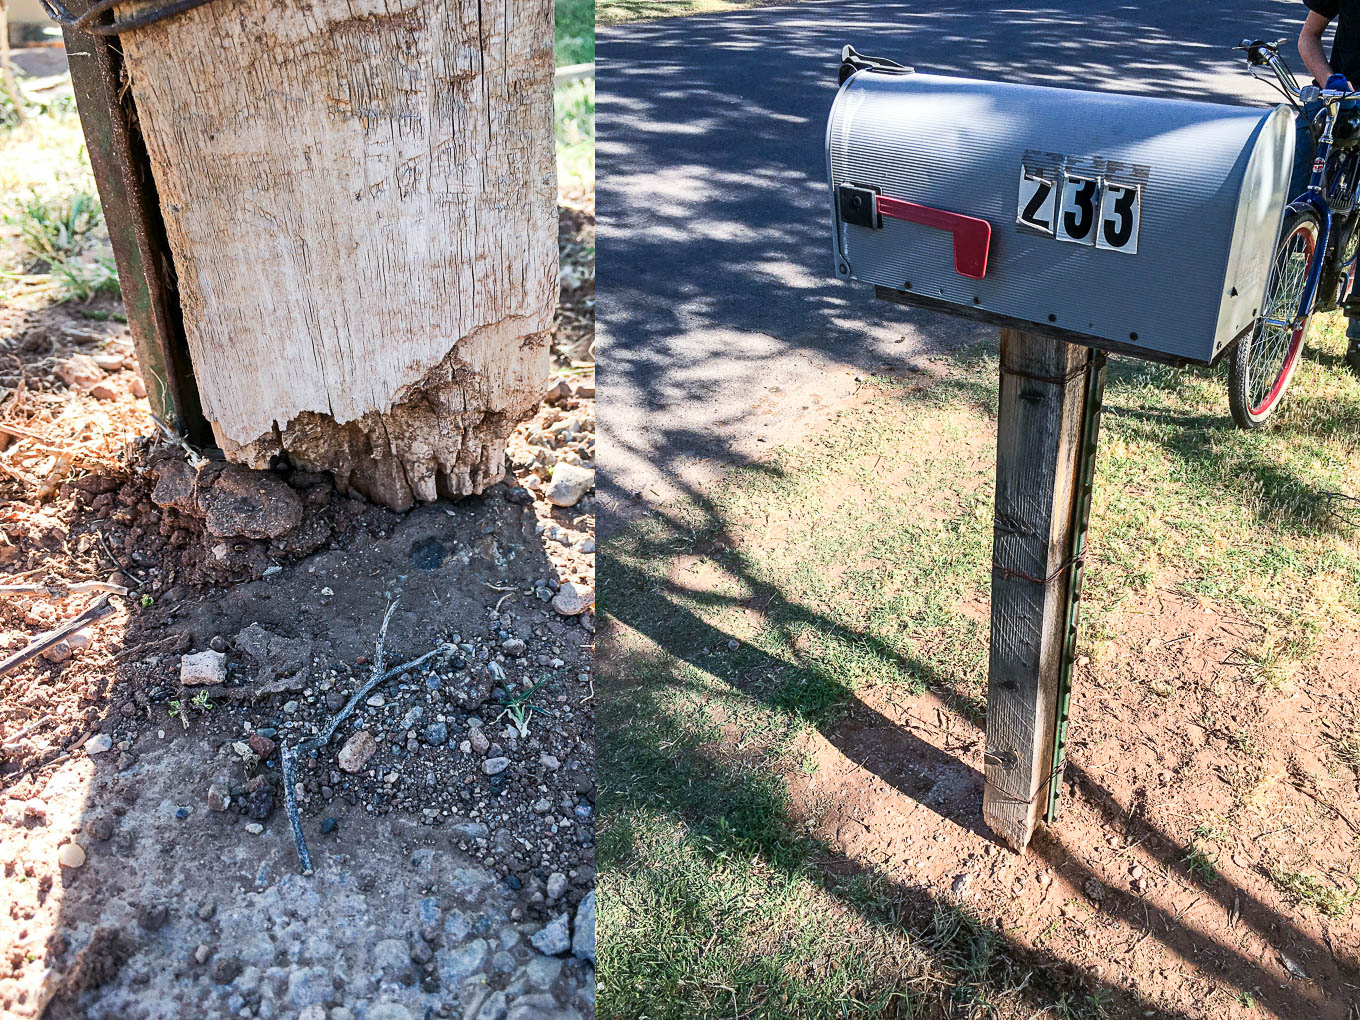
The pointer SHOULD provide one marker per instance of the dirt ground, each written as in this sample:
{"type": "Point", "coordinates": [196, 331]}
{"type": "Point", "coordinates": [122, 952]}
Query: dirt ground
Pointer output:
{"type": "Point", "coordinates": [148, 865]}
{"type": "Point", "coordinates": [1110, 887]}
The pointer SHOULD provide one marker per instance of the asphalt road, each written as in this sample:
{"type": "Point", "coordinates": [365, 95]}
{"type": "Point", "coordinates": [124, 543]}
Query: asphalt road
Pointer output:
{"type": "Point", "coordinates": [721, 328]}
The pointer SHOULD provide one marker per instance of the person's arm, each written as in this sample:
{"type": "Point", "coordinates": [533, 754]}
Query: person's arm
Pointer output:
{"type": "Point", "coordinates": [1310, 42]}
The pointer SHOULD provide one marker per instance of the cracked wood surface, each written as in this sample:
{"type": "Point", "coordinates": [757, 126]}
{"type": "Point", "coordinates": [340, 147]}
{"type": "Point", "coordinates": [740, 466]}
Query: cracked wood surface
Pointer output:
{"type": "Point", "coordinates": [1038, 450]}
{"type": "Point", "coordinates": [360, 200]}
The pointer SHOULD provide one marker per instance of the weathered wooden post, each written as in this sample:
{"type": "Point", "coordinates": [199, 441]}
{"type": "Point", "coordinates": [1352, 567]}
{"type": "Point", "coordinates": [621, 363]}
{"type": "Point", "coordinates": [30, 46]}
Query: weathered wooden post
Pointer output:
{"type": "Point", "coordinates": [358, 199]}
{"type": "Point", "coordinates": [1047, 428]}
{"type": "Point", "coordinates": [1086, 255]}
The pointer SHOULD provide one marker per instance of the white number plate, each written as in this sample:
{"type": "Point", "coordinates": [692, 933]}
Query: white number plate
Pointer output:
{"type": "Point", "coordinates": [1079, 210]}
{"type": "Point", "coordinates": [1038, 201]}
{"type": "Point", "coordinates": [1120, 210]}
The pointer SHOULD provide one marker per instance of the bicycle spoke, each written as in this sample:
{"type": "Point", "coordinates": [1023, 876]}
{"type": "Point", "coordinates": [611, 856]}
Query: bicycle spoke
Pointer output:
{"type": "Point", "coordinates": [1273, 342]}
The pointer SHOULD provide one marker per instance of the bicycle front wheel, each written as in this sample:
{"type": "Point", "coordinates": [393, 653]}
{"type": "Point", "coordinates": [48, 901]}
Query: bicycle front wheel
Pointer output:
{"type": "Point", "coordinates": [1264, 360]}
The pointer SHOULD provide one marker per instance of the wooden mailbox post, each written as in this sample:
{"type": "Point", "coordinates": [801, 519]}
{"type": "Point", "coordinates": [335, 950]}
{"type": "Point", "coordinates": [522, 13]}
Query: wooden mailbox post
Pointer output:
{"type": "Point", "coordinates": [1048, 426]}
{"type": "Point", "coordinates": [1059, 216]}
{"type": "Point", "coordinates": [1047, 429]}
{"type": "Point", "coordinates": [335, 224]}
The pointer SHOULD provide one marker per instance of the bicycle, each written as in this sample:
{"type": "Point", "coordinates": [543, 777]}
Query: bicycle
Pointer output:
{"type": "Point", "coordinates": [1313, 269]}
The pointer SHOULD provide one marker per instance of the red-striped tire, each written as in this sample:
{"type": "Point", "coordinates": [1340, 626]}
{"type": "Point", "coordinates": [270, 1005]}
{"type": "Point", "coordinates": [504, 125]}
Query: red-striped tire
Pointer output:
{"type": "Point", "coordinates": [1264, 360]}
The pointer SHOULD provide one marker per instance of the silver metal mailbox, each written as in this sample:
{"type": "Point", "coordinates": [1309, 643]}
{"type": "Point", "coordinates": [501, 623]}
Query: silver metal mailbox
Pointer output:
{"type": "Point", "coordinates": [1128, 223]}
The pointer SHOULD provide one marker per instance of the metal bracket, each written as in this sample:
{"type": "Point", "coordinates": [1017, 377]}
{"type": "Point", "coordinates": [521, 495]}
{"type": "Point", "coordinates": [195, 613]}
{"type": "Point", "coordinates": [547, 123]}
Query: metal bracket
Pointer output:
{"type": "Point", "coordinates": [89, 20]}
{"type": "Point", "coordinates": [1090, 434]}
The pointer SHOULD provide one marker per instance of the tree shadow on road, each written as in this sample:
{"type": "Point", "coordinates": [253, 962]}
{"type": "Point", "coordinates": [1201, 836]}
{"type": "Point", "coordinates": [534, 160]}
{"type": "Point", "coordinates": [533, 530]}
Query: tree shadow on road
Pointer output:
{"type": "Point", "coordinates": [716, 272]}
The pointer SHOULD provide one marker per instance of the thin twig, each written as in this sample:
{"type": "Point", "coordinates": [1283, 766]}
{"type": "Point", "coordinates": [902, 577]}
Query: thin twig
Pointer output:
{"type": "Point", "coordinates": [57, 590]}
{"type": "Point", "coordinates": [127, 570]}
{"type": "Point", "coordinates": [12, 744]}
{"type": "Point", "coordinates": [290, 754]}
{"type": "Point", "coordinates": [42, 642]}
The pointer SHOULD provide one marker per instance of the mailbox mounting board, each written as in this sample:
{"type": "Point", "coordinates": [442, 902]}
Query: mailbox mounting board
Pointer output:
{"type": "Point", "coordinates": [1133, 224]}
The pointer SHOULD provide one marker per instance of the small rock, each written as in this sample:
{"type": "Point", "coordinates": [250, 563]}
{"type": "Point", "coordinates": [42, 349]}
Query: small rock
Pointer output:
{"type": "Point", "coordinates": [262, 746]}
{"type": "Point", "coordinates": [1295, 971]}
{"type": "Point", "coordinates": [98, 744]}
{"type": "Point", "coordinates": [203, 668]}
{"type": "Point", "coordinates": [254, 828]}
{"type": "Point", "coordinates": [358, 749]}
{"type": "Point", "coordinates": [555, 938]}
{"type": "Point", "coordinates": [153, 916]}
{"type": "Point", "coordinates": [109, 361]}
{"type": "Point", "coordinates": [513, 646]}
{"type": "Point", "coordinates": [71, 855]}
{"type": "Point", "coordinates": [218, 797]}
{"type": "Point", "coordinates": [495, 766]}
{"type": "Point", "coordinates": [436, 733]}
{"type": "Point", "coordinates": [961, 883]}
{"type": "Point", "coordinates": [259, 804]}
{"type": "Point", "coordinates": [573, 599]}
{"type": "Point", "coordinates": [479, 741]}
{"type": "Point", "coordinates": [549, 761]}
{"type": "Point", "coordinates": [329, 825]}
{"type": "Point", "coordinates": [557, 885]}
{"type": "Point", "coordinates": [1093, 889]}
{"type": "Point", "coordinates": [60, 652]}
{"type": "Point", "coordinates": [583, 942]}
{"type": "Point", "coordinates": [569, 483]}
{"type": "Point", "coordinates": [225, 969]}
{"type": "Point", "coordinates": [80, 372]}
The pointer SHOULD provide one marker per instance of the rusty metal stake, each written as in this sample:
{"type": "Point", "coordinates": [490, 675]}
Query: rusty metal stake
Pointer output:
{"type": "Point", "coordinates": [136, 230]}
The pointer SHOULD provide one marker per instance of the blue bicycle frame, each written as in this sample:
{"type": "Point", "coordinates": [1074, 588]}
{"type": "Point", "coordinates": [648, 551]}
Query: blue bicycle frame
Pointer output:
{"type": "Point", "coordinates": [1315, 197]}
{"type": "Point", "coordinates": [1330, 192]}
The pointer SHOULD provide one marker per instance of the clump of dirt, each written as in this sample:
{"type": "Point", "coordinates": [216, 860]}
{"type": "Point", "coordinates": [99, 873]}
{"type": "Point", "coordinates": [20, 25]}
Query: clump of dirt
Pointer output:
{"type": "Point", "coordinates": [169, 520]}
{"type": "Point", "coordinates": [99, 962]}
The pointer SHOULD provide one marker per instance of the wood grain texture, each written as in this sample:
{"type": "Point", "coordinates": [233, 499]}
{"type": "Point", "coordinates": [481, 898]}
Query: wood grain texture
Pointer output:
{"type": "Point", "coordinates": [360, 201]}
{"type": "Point", "coordinates": [1038, 450]}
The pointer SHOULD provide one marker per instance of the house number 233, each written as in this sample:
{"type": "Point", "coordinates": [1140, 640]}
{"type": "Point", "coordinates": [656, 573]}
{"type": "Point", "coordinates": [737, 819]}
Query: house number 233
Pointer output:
{"type": "Point", "coordinates": [1080, 209]}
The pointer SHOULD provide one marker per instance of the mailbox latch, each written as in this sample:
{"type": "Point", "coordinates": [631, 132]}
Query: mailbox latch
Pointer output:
{"type": "Point", "coordinates": [859, 206]}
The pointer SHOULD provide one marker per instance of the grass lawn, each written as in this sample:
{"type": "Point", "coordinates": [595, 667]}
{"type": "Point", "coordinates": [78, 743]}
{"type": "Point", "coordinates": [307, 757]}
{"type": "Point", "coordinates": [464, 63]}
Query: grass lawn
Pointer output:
{"type": "Point", "coordinates": [618, 12]}
{"type": "Point", "coordinates": [574, 102]}
{"type": "Point", "coordinates": [742, 620]}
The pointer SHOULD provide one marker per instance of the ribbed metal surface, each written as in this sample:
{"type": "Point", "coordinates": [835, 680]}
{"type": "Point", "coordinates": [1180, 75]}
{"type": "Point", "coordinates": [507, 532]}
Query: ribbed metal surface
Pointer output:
{"type": "Point", "coordinates": [1213, 180]}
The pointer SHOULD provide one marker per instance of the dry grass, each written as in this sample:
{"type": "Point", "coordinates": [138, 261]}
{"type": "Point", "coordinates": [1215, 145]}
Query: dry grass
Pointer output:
{"type": "Point", "coordinates": [45, 437]}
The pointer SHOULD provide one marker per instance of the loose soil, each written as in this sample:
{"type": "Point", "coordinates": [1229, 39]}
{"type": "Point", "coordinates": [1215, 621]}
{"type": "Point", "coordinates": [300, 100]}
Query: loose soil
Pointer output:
{"type": "Point", "coordinates": [466, 831]}
{"type": "Point", "coordinates": [1157, 779]}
